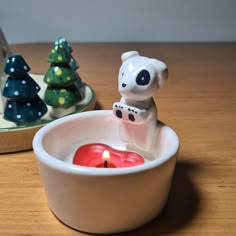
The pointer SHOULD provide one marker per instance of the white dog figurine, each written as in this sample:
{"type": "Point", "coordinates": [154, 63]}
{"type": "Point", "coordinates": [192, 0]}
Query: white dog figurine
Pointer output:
{"type": "Point", "coordinates": [139, 78]}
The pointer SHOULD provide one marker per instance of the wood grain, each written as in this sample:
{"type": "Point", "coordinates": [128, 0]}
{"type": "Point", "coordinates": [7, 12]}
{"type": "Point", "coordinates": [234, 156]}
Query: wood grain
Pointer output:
{"type": "Point", "coordinates": [199, 102]}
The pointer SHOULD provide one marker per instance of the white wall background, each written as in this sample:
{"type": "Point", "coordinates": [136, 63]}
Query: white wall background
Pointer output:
{"type": "Point", "coordinates": [118, 20]}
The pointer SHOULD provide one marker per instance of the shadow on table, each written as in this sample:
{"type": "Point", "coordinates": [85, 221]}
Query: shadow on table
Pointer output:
{"type": "Point", "coordinates": [98, 106]}
{"type": "Point", "coordinates": [181, 206]}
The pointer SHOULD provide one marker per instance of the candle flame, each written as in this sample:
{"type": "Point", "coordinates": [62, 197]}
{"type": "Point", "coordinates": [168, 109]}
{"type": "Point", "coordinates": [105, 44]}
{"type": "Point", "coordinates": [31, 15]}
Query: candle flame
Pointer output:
{"type": "Point", "coordinates": [105, 155]}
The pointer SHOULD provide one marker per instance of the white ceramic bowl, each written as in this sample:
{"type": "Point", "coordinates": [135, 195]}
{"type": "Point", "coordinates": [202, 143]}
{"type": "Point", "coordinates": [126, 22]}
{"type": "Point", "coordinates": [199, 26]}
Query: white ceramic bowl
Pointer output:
{"type": "Point", "coordinates": [102, 200]}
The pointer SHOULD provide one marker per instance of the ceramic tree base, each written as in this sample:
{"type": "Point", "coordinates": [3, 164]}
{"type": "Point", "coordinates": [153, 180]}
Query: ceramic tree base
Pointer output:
{"type": "Point", "coordinates": [15, 138]}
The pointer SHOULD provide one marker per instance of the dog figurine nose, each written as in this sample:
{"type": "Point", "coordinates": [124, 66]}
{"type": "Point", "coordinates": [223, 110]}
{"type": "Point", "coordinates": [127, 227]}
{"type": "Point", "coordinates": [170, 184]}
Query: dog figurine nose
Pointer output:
{"type": "Point", "coordinates": [124, 85]}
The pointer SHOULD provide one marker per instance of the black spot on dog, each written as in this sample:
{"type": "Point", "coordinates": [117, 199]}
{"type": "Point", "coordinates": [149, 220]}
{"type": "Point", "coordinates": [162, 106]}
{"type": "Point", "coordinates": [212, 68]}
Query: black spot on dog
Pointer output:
{"type": "Point", "coordinates": [131, 117]}
{"type": "Point", "coordinates": [119, 113]}
{"type": "Point", "coordinates": [143, 78]}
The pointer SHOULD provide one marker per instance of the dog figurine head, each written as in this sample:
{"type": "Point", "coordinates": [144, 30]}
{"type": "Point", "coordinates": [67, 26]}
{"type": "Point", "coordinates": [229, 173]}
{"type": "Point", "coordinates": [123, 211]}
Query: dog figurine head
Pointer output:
{"type": "Point", "coordinates": [139, 76]}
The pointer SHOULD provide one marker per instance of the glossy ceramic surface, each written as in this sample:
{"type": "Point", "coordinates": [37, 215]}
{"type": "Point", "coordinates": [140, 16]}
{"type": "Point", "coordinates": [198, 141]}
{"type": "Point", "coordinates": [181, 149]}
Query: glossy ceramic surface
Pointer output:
{"type": "Point", "coordinates": [11, 135]}
{"type": "Point", "coordinates": [103, 200]}
{"type": "Point", "coordinates": [138, 80]}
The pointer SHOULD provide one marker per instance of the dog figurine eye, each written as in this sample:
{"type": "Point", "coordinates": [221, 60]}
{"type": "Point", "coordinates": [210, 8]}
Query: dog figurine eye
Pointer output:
{"type": "Point", "coordinates": [143, 78]}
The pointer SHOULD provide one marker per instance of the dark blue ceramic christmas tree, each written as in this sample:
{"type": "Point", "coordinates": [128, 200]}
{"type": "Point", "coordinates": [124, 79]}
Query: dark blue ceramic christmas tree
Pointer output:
{"type": "Point", "coordinates": [23, 104]}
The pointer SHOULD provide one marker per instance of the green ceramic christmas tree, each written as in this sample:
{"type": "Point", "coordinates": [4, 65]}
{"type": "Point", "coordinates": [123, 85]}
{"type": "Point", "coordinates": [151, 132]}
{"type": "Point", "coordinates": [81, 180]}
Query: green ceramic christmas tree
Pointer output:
{"type": "Point", "coordinates": [61, 93]}
{"type": "Point", "coordinates": [74, 65]}
{"type": "Point", "coordinates": [23, 105]}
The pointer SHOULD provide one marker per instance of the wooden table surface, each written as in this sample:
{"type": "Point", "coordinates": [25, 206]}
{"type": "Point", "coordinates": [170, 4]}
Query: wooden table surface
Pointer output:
{"type": "Point", "coordinates": [198, 102]}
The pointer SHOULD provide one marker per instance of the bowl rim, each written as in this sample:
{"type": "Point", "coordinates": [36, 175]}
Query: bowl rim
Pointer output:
{"type": "Point", "coordinates": [66, 167]}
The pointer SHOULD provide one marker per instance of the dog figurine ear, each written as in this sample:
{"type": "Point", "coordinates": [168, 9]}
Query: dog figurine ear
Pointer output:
{"type": "Point", "coordinates": [161, 71]}
{"type": "Point", "coordinates": [127, 55]}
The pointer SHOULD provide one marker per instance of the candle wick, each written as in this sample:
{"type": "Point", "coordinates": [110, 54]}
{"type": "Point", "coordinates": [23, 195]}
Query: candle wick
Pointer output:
{"type": "Point", "coordinates": [105, 164]}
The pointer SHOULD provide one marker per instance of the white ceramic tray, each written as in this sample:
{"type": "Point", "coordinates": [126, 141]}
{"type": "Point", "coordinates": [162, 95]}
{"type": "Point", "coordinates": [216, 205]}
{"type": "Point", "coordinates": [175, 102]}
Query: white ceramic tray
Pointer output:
{"type": "Point", "coordinates": [18, 138]}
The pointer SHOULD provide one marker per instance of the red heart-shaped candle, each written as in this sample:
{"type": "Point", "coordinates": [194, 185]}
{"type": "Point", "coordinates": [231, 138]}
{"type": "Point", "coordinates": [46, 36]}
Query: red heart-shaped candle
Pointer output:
{"type": "Point", "coordinates": [101, 155]}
